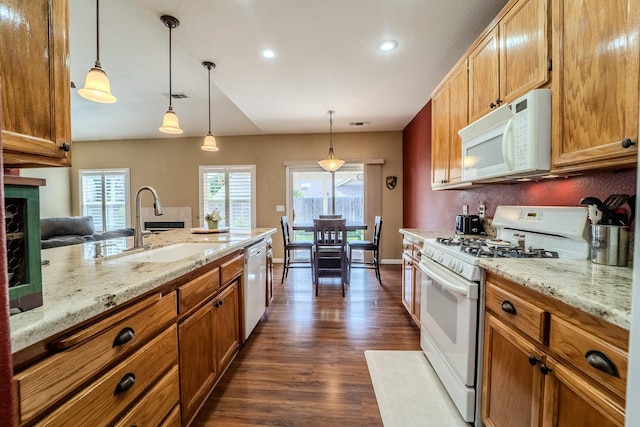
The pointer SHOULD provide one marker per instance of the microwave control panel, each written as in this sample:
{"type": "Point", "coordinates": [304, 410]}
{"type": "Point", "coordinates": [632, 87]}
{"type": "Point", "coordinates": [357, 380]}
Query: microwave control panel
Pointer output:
{"type": "Point", "coordinates": [523, 158]}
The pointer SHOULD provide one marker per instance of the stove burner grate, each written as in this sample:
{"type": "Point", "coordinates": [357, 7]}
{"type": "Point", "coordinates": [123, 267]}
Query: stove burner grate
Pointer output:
{"type": "Point", "coordinates": [483, 248]}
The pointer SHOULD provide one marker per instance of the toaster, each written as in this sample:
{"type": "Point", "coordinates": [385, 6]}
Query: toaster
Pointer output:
{"type": "Point", "coordinates": [469, 224]}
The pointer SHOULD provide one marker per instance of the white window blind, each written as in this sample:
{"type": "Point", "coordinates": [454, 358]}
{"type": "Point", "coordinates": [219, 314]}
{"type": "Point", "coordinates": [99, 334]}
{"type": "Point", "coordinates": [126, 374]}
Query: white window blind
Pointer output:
{"type": "Point", "coordinates": [104, 195]}
{"type": "Point", "coordinates": [231, 190]}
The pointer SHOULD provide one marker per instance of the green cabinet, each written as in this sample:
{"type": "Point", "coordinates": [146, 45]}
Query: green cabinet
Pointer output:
{"type": "Point", "coordinates": [22, 225]}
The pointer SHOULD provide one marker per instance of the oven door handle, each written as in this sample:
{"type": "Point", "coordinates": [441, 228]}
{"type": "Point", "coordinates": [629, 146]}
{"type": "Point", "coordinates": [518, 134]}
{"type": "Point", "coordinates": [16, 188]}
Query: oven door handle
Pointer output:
{"type": "Point", "coordinates": [445, 282]}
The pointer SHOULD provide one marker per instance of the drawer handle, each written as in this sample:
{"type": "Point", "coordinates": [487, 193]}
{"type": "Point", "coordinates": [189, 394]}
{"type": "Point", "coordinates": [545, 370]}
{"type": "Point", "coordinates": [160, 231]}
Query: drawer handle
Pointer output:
{"type": "Point", "coordinates": [601, 362]}
{"type": "Point", "coordinates": [544, 369]}
{"type": "Point", "coordinates": [125, 383]}
{"type": "Point", "coordinates": [508, 307]}
{"type": "Point", "coordinates": [533, 361]}
{"type": "Point", "coordinates": [123, 337]}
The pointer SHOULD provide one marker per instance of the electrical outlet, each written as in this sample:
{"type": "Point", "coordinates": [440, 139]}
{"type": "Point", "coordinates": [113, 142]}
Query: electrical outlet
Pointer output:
{"type": "Point", "coordinates": [279, 208]}
{"type": "Point", "coordinates": [481, 210]}
{"type": "Point", "coordinates": [465, 209]}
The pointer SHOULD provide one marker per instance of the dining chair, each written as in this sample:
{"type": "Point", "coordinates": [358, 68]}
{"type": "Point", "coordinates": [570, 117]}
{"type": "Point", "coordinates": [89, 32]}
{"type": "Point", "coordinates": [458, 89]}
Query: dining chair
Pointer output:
{"type": "Point", "coordinates": [368, 245]}
{"type": "Point", "coordinates": [330, 258]}
{"type": "Point", "coordinates": [291, 246]}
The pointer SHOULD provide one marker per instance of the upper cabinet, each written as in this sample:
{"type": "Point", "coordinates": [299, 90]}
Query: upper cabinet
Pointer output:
{"type": "Point", "coordinates": [450, 114]}
{"type": "Point", "coordinates": [36, 85]}
{"type": "Point", "coordinates": [595, 90]}
{"type": "Point", "coordinates": [511, 59]}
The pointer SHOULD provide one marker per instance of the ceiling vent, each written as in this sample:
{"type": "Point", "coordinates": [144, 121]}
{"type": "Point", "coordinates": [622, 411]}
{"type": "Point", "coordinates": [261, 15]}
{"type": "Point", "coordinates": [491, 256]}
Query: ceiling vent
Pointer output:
{"type": "Point", "coordinates": [176, 95]}
{"type": "Point", "coordinates": [359, 123]}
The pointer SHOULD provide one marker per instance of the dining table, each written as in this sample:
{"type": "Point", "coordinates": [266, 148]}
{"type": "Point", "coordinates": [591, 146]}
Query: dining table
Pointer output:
{"type": "Point", "coordinates": [310, 227]}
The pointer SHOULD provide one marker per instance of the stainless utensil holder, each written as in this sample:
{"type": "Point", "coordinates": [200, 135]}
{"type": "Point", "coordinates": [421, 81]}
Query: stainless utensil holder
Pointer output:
{"type": "Point", "coordinates": [610, 245]}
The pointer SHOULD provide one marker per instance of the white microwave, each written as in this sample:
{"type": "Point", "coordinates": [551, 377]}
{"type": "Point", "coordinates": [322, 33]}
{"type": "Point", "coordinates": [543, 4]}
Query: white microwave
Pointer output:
{"type": "Point", "coordinates": [512, 141]}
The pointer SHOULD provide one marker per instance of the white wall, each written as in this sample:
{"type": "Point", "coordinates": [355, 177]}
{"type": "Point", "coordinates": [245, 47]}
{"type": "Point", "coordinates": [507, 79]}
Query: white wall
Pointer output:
{"type": "Point", "coordinates": [55, 197]}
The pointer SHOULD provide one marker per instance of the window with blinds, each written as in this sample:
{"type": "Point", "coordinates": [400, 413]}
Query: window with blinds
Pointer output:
{"type": "Point", "coordinates": [104, 195]}
{"type": "Point", "coordinates": [231, 190]}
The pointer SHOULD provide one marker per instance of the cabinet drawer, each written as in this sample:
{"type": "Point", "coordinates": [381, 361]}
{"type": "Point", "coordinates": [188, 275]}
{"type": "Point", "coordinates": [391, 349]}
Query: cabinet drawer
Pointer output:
{"type": "Point", "coordinates": [198, 290]}
{"type": "Point", "coordinates": [44, 383]}
{"type": "Point", "coordinates": [156, 405]}
{"type": "Point", "coordinates": [515, 311]}
{"type": "Point", "coordinates": [231, 269]}
{"type": "Point", "coordinates": [173, 419]}
{"type": "Point", "coordinates": [103, 400]}
{"type": "Point", "coordinates": [588, 352]}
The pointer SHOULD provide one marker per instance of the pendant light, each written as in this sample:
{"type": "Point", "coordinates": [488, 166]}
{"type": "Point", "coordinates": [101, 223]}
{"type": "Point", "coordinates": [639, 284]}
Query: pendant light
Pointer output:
{"type": "Point", "coordinates": [209, 143]}
{"type": "Point", "coordinates": [331, 163]}
{"type": "Point", "coordinates": [170, 122]}
{"type": "Point", "coordinates": [96, 85]}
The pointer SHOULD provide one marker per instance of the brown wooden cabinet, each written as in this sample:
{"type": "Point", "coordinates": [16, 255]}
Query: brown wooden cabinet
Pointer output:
{"type": "Point", "coordinates": [106, 367]}
{"type": "Point", "coordinates": [208, 337]}
{"type": "Point", "coordinates": [449, 109]}
{"type": "Point", "coordinates": [411, 278]}
{"type": "Point", "coordinates": [36, 85]}
{"type": "Point", "coordinates": [548, 364]}
{"type": "Point", "coordinates": [511, 59]}
{"type": "Point", "coordinates": [595, 101]}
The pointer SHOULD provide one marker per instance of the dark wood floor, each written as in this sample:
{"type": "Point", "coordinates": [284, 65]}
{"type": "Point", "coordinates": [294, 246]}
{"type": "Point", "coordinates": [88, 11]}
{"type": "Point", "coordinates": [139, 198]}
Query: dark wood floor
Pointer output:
{"type": "Point", "coordinates": [304, 363]}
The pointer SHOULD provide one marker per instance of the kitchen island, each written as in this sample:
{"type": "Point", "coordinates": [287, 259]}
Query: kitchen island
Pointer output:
{"type": "Point", "coordinates": [77, 286]}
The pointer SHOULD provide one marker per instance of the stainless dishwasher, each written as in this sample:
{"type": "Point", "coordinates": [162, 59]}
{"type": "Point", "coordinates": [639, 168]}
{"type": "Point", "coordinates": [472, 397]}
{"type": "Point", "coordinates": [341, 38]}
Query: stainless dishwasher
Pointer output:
{"type": "Point", "coordinates": [255, 285]}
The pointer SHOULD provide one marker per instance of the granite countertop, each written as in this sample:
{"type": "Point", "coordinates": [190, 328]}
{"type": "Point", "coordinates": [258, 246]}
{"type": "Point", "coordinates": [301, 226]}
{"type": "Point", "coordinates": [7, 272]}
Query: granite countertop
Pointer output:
{"type": "Point", "coordinates": [600, 290]}
{"type": "Point", "coordinates": [77, 287]}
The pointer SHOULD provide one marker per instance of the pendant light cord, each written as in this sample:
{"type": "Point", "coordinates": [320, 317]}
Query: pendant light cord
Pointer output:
{"type": "Point", "coordinates": [209, 67]}
{"type": "Point", "coordinates": [331, 128]}
{"type": "Point", "coordinates": [170, 96]}
{"type": "Point", "coordinates": [97, 33]}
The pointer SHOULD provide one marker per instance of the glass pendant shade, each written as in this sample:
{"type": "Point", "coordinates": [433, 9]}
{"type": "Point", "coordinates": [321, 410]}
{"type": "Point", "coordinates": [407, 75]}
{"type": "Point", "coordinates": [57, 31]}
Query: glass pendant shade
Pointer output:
{"type": "Point", "coordinates": [96, 87]}
{"type": "Point", "coordinates": [209, 143]}
{"type": "Point", "coordinates": [170, 123]}
{"type": "Point", "coordinates": [331, 164]}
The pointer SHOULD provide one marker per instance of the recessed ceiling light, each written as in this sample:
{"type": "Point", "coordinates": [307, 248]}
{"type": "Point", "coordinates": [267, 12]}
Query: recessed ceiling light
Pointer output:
{"type": "Point", "coordinates": [268, 53]}
{"type": "Point", "coordinates": [387, 46]}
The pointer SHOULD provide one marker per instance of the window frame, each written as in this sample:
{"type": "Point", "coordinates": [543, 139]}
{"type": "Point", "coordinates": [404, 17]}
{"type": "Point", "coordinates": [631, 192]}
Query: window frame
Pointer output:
{"type": "Point", "coordinates": [103, 172]}
{"type": "Point", "coordinates": [251, 169]}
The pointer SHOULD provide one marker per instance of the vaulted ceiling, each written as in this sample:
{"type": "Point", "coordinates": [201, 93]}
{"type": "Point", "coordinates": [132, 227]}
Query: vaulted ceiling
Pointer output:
{"type": "Point", "coordinates": [326, 59]}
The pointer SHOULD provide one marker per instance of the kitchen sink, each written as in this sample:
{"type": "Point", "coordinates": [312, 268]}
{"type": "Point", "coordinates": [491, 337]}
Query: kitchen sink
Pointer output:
{"type": "Point", "coordinates": [170, 253]}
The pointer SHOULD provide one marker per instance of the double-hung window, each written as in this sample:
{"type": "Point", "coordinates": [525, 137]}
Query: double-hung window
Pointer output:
{"type": "Point", "coordinates": [104, 195]}
{"type": "Point", "coordinates": [232, 191]}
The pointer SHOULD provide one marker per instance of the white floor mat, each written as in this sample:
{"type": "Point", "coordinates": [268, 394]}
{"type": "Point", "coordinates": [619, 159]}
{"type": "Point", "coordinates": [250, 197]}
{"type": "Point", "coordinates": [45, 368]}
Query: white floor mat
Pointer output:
{"type": "Point", "coordinates": [408, 391]}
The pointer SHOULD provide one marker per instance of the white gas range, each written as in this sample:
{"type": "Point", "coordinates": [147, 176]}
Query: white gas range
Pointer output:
{"type": "Point", "coordinates": [452, 297]}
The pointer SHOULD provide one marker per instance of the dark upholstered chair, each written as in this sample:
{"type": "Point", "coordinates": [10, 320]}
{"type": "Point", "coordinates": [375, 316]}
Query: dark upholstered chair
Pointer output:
{"type": "Point", "coordinates": [330, 251]}
{"type": "Point", "coordinates": [368, 245]}
{"type": "Point", "coordinates": [293, 245]}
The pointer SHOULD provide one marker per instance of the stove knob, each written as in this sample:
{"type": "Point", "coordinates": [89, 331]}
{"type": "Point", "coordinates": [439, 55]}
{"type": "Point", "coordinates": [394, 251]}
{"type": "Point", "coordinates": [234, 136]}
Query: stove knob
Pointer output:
{"type": "Point", "coordinates": [459, 267]}
{"type": "Point", "coordinates": [440, 258]}
{"type": "Point", "coordinates": [452, 264]}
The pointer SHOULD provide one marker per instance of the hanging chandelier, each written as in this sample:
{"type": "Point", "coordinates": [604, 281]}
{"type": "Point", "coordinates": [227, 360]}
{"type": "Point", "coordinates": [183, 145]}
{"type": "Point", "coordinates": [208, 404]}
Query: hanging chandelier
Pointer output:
{"type": "Point", "coordinates": [209, 143]}
{"type": "Point", "coordinates": [331, 163]}
{"type": "Point", "coordinates": [170, 122]}
{"type": "Point", "coordinates": [96, 85]}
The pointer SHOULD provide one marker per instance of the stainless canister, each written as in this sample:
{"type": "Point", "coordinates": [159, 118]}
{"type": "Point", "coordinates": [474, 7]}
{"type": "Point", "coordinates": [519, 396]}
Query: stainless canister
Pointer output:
{"type": "Point", "coordinates": [610, 245]}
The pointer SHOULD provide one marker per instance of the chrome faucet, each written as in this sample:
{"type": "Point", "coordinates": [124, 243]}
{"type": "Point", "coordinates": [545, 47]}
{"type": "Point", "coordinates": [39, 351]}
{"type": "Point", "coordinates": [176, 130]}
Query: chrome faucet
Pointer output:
{"type": "Point", "coordinates": [138, 239]}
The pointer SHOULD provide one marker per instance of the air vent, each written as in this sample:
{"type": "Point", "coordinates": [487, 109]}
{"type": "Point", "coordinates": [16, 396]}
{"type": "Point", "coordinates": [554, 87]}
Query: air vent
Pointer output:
{"type": "Point", "coordinates": [359, 123]}
{"type": "Point", "coordinates": [176, 95]}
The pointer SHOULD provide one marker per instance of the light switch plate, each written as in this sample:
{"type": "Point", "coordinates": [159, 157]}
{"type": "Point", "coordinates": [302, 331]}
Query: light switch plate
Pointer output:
{"type": "Point", "coordinates": [465, 209]}
{"type": "Point", "coordinates": [279, 208]}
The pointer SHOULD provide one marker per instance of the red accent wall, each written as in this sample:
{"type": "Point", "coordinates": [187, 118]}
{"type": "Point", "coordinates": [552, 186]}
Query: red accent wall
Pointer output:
{"type": "Point", "coordinates": [436, 210]}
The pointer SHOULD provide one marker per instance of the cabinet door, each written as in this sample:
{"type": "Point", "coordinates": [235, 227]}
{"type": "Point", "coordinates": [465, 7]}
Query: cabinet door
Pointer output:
{"type": "Point", "coordinates": [36, 86]}
{"type": "Point", "coordinates": [407, 282]}
{"type": "Point", "coordinates": [571, 400]}
{"type": "Point", "coordinates": [458, 86]}
{"type": "Point", "coordinates": [197, 360]}
{"type": "Point", "coordinates": [440, 137]}
{"type": "Point", "coordinates": [524, 48]}
{"type": "Point", "coordinates": [512, 385]}
{"type": "Point", "coordinates": [484, 74]}
{"type": "Point", "coordinates": [226, 326]}
{"type": "Point", "coordinates": [595, 102]}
